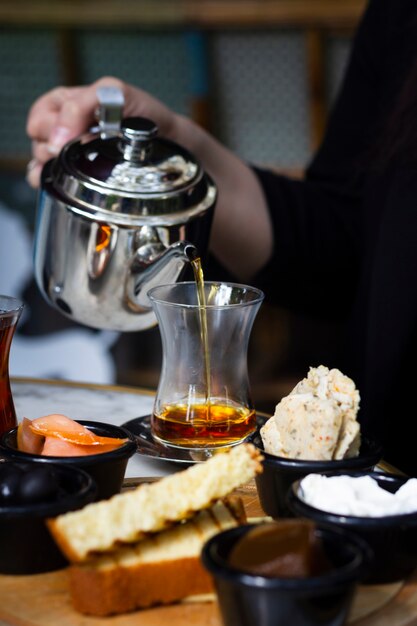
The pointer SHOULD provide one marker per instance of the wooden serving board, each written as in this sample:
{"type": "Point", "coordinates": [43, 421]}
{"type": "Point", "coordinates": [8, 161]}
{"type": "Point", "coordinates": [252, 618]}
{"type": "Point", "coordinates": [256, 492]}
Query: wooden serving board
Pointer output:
{"type": "Point", "coordinates": [43, 599]}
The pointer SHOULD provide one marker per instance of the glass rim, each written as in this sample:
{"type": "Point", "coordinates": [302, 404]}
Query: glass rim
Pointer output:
{"type": "Point", "coordinates": [10, 305]}
{"type": "Point", "coordinates": [259, 293]}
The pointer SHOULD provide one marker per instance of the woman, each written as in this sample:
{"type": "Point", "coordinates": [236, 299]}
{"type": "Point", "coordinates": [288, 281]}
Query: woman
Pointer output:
{"type": "Point", "coordinates": [342, 241]}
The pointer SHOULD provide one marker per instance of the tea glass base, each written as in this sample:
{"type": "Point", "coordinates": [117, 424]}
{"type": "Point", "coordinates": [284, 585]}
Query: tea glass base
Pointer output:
{"type": "Point", "coordinates": [150, 446]}
{"type": "Point", "coordinates": [202, 453]}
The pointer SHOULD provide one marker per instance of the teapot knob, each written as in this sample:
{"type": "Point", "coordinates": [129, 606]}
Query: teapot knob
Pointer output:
{"type": "Point", "coordinates": [137, 133]}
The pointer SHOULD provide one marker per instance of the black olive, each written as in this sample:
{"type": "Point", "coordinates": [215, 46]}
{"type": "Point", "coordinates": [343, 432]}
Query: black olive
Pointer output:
{"type": "Point", "coordinates": [39, 484]}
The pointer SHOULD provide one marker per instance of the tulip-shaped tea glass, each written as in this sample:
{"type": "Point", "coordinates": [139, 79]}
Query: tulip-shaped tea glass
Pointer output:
{"type": "Point", "coordinates": [203, 399]}
{"type": "Point", "coordinates": [10, 310]}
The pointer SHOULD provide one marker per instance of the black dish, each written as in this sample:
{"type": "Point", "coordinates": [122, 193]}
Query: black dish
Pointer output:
{"type": "Point", "coordinates": [26, 547]}
{"type": "Point", "coordinates": [393, 539]}
{"type": "Point", "coordinates": [279, 473]}
{"type": "Point", "coordinates": [323, 600]}
{"type": "Point", "coordinates": [107, 468]}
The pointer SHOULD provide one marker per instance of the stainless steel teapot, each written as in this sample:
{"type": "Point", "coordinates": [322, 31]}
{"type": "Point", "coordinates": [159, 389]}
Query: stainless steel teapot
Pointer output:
{"type": "Point", "coordinates": [120, 210]}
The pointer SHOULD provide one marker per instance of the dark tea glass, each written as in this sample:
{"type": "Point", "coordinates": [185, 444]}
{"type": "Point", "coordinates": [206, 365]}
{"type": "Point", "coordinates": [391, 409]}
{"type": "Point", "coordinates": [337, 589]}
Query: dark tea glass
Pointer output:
{"type": "Point", "coordinates": [10, 310]}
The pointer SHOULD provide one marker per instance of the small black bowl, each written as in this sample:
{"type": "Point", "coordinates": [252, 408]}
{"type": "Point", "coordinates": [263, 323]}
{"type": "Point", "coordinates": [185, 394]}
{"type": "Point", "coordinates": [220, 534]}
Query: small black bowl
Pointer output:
{"type": "Point", "coordinates": [392, 539]}
{"type": "Point", "coordinates": [107, 468]}
{"type": "Point", "coordinates": [323, 600]}
{"type": "Point", "coordinates": [279, 473]}
{"type": "Point", "coordinates": [26, 546]}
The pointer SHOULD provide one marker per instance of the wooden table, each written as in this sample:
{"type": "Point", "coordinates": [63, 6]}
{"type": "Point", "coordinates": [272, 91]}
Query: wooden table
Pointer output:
{"type": "Point", "coordinates": [43, 600]}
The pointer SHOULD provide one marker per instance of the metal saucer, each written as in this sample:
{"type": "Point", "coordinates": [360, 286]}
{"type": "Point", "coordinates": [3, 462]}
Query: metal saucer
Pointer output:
{"type": "Point", "coordinates": [140, 427]}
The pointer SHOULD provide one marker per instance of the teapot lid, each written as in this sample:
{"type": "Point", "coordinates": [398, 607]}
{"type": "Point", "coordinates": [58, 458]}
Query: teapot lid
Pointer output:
{"type": "Point", "coordinates": [127, 173]}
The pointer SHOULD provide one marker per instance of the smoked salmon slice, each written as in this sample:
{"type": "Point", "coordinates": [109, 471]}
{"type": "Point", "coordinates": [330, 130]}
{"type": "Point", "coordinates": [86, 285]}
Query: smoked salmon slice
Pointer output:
{"type": "Point", "coordinates": [63, 427]}
{"type": "Point", "coordinates": [27, 440]}
{"type": "Point", "coordinates": [59, 435]}
{"type": "Point", "coordinates": [59, 447]}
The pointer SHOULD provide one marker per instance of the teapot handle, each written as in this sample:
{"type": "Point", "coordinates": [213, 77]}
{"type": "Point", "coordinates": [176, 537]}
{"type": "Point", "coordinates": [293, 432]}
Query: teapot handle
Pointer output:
{"type": "Point", "coordinates": [109, 111]}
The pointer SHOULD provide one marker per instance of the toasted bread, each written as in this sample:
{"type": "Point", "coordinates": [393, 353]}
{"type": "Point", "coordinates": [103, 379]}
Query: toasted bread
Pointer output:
{"type": "Point", "coordinates": [161, 569]}
{"type": "Point", "coordinates": [130, 516]}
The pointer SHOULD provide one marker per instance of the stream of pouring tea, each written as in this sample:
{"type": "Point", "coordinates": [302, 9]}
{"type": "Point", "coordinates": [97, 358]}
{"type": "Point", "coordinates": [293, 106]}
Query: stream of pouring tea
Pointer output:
{"type": "Point", "coordinates": [201, 300]}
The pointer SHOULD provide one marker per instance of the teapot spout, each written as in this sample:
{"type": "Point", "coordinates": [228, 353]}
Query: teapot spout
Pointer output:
{"type": "Point", "coordinates": [156, 266]}
{"type": "Point", "coordinates": [190, 251]}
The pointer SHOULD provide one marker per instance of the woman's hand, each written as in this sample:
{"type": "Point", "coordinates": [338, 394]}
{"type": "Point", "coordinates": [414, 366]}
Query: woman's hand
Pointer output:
{"type": "Point", "coordinates": [66, 112]}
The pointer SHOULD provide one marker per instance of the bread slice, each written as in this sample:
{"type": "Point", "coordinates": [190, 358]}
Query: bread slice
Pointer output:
{"type": "Point", "coordinates": [307, 429]}
{"type": "Point", "coordinates": [349, 441]}
{"type": "Point", "coordinates": [162, 569]}
{"type": "Point", "coordinates": [127, 517]}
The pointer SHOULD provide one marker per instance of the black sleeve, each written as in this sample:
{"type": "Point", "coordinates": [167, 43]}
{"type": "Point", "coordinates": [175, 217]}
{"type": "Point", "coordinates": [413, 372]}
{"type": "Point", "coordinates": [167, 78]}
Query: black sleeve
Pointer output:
{"type": "Point", "coordinates": [317, 221]}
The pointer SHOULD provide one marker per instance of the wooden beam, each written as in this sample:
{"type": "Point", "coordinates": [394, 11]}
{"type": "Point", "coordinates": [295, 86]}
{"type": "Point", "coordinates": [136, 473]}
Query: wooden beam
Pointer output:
{"type": "Point", "coordinates": [316, 85]}
{"type": "Point", "coordinates": [170, 13]}
{"type": "Point", "coordinates": [91, 13]}
{"type": "Point", "coordinates": [275, 13]}
{"type": "Point", "coordinates": [14, 165]}
{"type": "Point", "coordinates": [68, 57]}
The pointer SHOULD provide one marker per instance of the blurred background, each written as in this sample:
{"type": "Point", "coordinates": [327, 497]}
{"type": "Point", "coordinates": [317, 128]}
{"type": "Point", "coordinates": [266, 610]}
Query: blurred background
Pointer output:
{"type": "Point", "coordinates": [260, 74]}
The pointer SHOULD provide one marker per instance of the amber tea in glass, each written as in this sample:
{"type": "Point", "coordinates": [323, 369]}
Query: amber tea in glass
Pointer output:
{"type": "Point", "coordinates": [203, 399]}
{"type": "Point", "coordinates": [10, 310]}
